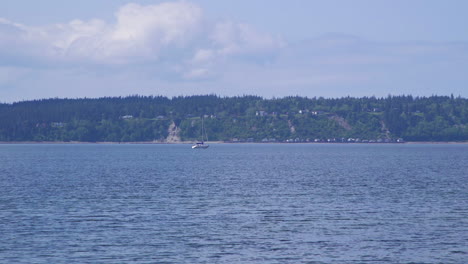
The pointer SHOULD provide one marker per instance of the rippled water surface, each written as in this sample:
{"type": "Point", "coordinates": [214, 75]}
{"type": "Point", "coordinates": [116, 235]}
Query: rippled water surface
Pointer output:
{"type": "Point", "coordinates": [259, 203]}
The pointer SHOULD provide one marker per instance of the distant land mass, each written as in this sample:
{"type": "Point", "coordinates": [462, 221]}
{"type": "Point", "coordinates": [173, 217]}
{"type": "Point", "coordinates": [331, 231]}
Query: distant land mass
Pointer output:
{"type": "Point", "coordinates": [236, 119]}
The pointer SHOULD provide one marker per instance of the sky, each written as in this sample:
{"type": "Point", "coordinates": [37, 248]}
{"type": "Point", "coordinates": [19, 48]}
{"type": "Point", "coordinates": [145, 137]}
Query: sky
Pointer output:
{"type": "Point", "coordinates": [274, 48]}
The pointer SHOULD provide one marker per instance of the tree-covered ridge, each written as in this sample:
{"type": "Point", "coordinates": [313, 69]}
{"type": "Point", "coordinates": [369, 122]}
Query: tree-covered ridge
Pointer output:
{"type": "Point", "coordinates": [245, 118]}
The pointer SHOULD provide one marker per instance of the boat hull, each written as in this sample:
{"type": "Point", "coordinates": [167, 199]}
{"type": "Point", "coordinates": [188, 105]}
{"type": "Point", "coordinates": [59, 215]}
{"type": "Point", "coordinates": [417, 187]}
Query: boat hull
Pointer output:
{"type": "Point", "coordinates": [199, 146]}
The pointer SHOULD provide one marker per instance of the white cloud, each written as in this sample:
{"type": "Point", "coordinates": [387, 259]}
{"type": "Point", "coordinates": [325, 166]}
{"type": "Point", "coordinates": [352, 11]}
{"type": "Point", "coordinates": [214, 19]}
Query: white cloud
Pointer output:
{"type": "Point", "coordinates": [171, 48]}
{"type": "Point", "coordinates": [231, 41]}
{"type": "Point", "coordinates": [165, 23]}
{"type": "Point", "coordinates": [173, 34]}
{"type": "Point", "coordinates": [15, 40]}
{"type": "Point", "coordinates": [140, 33]}
{"type": "Point", "coordinates": [203, 55]}
{"type": "Point", "coordinates": [235, 38]}
{"type": "Point", "coordinates": [167, 44]}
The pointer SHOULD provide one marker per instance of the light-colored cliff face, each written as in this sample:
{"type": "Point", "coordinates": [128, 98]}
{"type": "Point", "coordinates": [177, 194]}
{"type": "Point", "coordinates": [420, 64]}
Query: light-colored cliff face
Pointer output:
{"type": "Point", "coordinates": [384, 129]}
{"type": "Point", "coordinates": [291, 127]}
{"type": "Point", "coordinates": [174, 134]}
{"type": "Point", "coordinates": [341, 121]}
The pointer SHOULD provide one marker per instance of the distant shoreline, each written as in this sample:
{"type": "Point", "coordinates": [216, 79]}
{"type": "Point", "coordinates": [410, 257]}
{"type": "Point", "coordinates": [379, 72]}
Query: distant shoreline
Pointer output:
{"type": "Point", "coordinates": [218, 142]}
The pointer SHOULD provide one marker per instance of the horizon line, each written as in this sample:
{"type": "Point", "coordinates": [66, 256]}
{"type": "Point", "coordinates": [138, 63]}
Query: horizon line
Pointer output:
{"type": "Point", "coordinates": [227, 96]}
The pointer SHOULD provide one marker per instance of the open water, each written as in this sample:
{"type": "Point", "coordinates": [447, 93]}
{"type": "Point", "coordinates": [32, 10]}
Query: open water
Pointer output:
{"type": "Point", "coordinates": [250, 203]}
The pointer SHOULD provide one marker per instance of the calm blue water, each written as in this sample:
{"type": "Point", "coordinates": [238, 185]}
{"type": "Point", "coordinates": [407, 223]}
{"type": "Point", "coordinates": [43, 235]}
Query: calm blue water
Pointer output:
{"type": "Point", "coordinates": [262, 203]}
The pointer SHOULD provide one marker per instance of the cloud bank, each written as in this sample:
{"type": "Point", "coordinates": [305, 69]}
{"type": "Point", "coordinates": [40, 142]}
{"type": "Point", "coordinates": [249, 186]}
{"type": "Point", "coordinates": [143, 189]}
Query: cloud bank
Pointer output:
{"type": "Point", "coordinates": [172, 48]}
{"type": "Point", "coordinates": [140, 34]}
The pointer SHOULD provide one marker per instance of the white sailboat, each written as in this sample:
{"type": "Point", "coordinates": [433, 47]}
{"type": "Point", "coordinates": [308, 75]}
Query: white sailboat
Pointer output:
{"type": "Point", "coordinates": [201, 144]}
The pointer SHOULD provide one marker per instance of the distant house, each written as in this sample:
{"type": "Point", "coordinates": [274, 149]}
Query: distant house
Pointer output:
{"type": "Point", "coordinates": [57, 124]}
{"type": "Point", "coordinates": [261, 113]}
{"type": "Point", "coordinates": [127, 117]}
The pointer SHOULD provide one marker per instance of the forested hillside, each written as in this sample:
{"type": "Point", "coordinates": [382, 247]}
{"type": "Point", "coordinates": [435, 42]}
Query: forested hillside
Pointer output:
{"type": "Point", "coordinates": [237, 119]}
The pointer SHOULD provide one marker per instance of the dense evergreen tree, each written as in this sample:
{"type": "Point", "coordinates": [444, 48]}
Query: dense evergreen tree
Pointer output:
{"type": "Point", "coordinates": [244, 118]}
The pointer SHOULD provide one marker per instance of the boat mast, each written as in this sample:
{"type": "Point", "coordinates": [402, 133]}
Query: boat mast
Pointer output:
{"type": "Point", "coordinates": [203, 132]}
{"type": "Point", "coordinates": [202, 129]}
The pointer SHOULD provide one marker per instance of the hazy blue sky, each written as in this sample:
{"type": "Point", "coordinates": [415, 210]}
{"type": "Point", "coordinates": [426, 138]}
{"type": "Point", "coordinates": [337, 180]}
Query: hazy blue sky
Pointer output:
{"type": "Point", "coordinates": [331, 48]}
